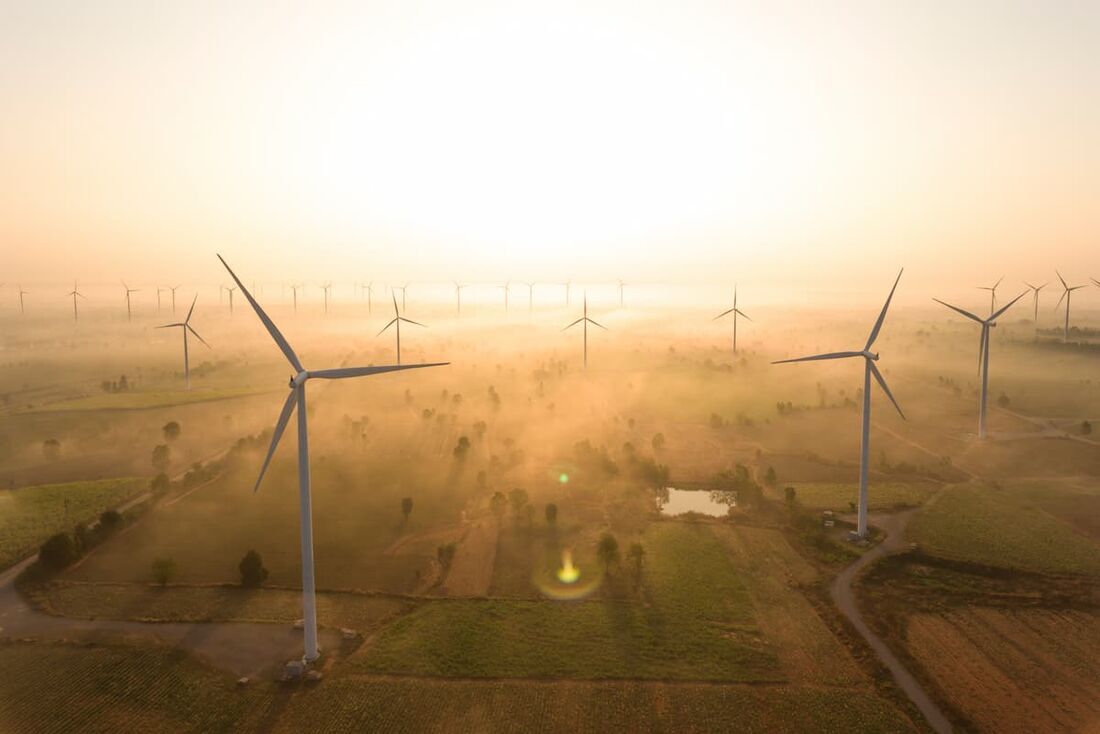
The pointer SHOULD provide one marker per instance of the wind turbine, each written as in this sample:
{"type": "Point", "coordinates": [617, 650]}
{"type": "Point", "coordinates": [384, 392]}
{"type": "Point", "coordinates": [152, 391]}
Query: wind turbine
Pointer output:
{"type": "Point", "coordinates": [159, 291]}
{"type": "Point", "coordinates": [586, 321]}
{"type": "Point", "coordinates": [397, 319]}
{"type": "Point", "coordinates": [326, 287]}
{"type": "Point", "coordinates": [992, 293]}
{"type": "Point", "coordinates": [74, 293]}
{"type": "Point", "coordinates": [736, 312]}
{"type": "Point", "coordinates": [22, 311]}
{"type": "Point", "coordinates": [621, 286]}
{"type": "Point", "coordinates": [230, 290]}
{"type": "Point", "coordinates": [458, 297]}
{"type": "Point", "coordinates": [1035, 290]}
{"type": "Point", "coordinates": [294, 290]}
{"type": "Point", "coordinates": [368, 288]}
{"type": "Point", "coordinates": [983, 351]}
{"type": "Point", "coordinates": [297, 398]}
{"type": "Point", "coordinates": [1066, 293]}
{"type": "Point", "coordinates": [402, 288]}
{"type": "Point", "coordinates": [530, 296]}
{"type": "Point", "coordinates": [506, 287]}
{"type": "Point", "coordinates": [129, 290]}
{"type": "Point", "coordinates": [869, 370]}
{"type": "Point", "coordinates": [173, 288]}
{"type": "Point", "coordinates": [568, 287]}
{"type": "Point", "coordinates": [185, 325]}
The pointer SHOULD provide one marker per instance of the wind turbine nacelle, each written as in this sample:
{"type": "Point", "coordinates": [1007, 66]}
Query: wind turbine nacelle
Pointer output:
{"type": "Point", "coordinates": [873, 356]}
{"type": "Point", "coordinates": [299, 379]}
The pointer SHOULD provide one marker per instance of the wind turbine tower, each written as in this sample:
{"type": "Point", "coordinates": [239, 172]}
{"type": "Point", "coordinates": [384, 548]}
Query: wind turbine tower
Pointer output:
{"type": "Point", "coordinates": [185, 326]}
{"type": "Point", "coordinates": [736, 312]}
{"type": "Point", "coordinates": [1067, 292]}
{"type": "Point", "coordinates": [586, 321]}
{"type": "Point", "coordinates": [397, 319]}
{"type": "Point", "coordinates": [129, 290]}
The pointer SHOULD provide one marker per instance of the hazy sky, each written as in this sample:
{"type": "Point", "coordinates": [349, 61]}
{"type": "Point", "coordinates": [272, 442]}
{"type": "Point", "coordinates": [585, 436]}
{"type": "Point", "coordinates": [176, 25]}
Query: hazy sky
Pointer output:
{"type": "Point", "coordinates": [662, 140]}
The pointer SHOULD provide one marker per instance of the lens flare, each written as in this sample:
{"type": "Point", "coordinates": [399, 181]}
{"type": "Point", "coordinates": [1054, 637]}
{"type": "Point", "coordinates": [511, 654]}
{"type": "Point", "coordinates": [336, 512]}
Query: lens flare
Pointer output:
{"type": "Point", "coordinates": [568, 574]}
{"type": "Point", "coordinates": [563, 478]}
{"type": "Point", "coordinates": [567, 584]}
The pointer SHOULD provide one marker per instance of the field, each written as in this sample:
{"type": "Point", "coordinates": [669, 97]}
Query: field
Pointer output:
{"type": "Point", "coordinates": [881, 495]}
{"type": "Point", "coordinates": [30, 515]}
{"type": "Point", "coordinates": [1002, 527]}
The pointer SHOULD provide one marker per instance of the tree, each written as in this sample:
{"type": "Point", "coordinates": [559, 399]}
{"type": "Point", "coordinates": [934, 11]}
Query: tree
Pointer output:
{"type": "Point", "coordinates": [162, 456]}
{"type": "Point", "coordinates": [658, 441]}
{"type": "Point", "coordinates": [636, 556]}
{"type": "Point", "coordinates": [171, 431]}
{"type": "Point", "coordinates": [1003, 401]}
{"type": "Point", "coordinates": [58, 552]}
{"type": "Point", "coordinates": [252, 569]}
{"type": "Point", "coordinates": [160, 483]}
{"type": "Point", "coordinates": [498, 504]}
{"type": "Point", "coordinates": [770, 477]}
{"type": "Point", "coordinates": [109, 520]}
{"type": "Point", "coordinates": [406, 507]}
{"type": "Point", "coordinates": [608, 551]}
{"type": "Point", "coordinates": [551, 514]}
{"type": "Point", "coordinates": [446, 554]}
{"type": "Point", "coordinates": [791, 495]}
{"type": "Point", "coordinates": [462, 448]}
{"type": "Point", "coordinates": [164, 569]}
{"type": "Point", "coordinates": [51, 449]}
{"type": "Point", "coordinates": [1086, 428]}
{"type": "Point", "coordinates": [517, 498]}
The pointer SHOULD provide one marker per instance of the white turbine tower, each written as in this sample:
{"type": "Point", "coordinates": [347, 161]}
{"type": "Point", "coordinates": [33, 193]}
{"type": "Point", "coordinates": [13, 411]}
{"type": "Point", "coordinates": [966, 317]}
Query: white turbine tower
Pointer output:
{"type": "Point", "coordinates": [622, 285]}
{"type": "Point", "coordinates": [22, 311]}
{"type": "Point", "coordinates": [530, 296]}
{"type": "Point", "coordinates": [185, 325]}
{"type": "Point", "coordinates": [1067, 291]}
{"type": "Point", "coordinates": [297, 399]}
{"type": "Point", "coordinates": [368, 288]}
{"type": "Point", "coordinates": [173, 288]}
{"type": "Point", "coordinates": [294, 290]}
{"type": "Point", "coordinates": [1035, 290]}
{"type": "Point", "coordinates": [869, 370]}
{"type": "Point", "coordinates": [458, 297]}
{"type": "Point", "coordinates": [736, 312]}
{"type": "Point", "coordinates": [506, 288]}
{"type": "Point", "coordinates": [586, 321]}
{"type": "Point", "coordinates": [397, 319]}
{"type": "Point", "coordinates": [983, 351]}
{"type": "Point", "coordinates": [326, 288]}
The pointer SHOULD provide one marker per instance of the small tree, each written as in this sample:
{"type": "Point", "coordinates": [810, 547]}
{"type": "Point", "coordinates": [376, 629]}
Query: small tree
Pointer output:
{"type": "Point", "coordinates": [770, 477]}
{"type": "Point", "coordinates": [171, 431]}
{"type": "Point", "coordinates": [608, 551]}
{"type": "Point", "coordinates": [1086, 428]}
{"type": "Point", "coordinates": [109, 520]}
{"type": "Point", "coordinates": [636, 556]}
{"type": "Point", "coordinates": [446, 555]}
{"type": "Point", "coordinates": [658, 441]}
{"type": "Point", "coordinates": [517, 498]}
{"type": "Point", "coordinates": [462, 448]}
{"type": "Point", "coordinates": [498, 504]}
{"type": "Point", "coordinates": [551, 514]}
{"type": "Point", "coordinates": [58, 552]}
{"type": "Point", "coordinates": [160, 483]}
{"type": "Point", "coordinates": [406, 507]}
{"type": "Point", "coordinates": [162, 456]}
{"type": "Point", "coordinates": [51, 449]}
{"type": "Point", "coordinates": [1003, 401]}
{"type": "Point", "coordinates": [791, 495]}
{"type": "Point", "coordinates": [253, 573]}
{"type": "Point", "coordinates": [164, 570]}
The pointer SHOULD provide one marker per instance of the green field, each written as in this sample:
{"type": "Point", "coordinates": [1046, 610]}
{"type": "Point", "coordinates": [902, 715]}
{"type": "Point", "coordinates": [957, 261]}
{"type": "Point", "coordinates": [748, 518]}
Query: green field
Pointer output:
{"type": "Point", "coordinates": [30, 515]}
{"type": "Point", "coordinates": [880, 495]}
{"type": "Point", "coordinates": [69, 688]}
{"type": "Point", "coordinates": [210, 603]}
{"type": "Point", "coordinates": [1002, 527]}
{"type": "Point", "coordinates": [695, 621]}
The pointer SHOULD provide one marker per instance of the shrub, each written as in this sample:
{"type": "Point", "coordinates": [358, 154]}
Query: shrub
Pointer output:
{"type": "Point", "coordinates": [164, 569]}
{"type": "Point", "coordinates": [171, 431]}
{"type": "Point", "coordinates": [58, 552]}
{"type": "Point", "coordinates": [253, 573]}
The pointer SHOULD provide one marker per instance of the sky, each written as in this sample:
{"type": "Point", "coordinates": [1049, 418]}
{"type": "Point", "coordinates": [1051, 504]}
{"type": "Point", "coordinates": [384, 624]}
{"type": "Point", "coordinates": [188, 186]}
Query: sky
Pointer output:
{"type": "Point", "coordinates": [654, 141]}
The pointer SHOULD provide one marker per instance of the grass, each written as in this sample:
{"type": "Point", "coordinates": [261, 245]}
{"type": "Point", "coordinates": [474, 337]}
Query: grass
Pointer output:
{"type": "Point", "coordinates": [697, 624]}
{"type": "Point", "coordinates": [63, 687]}
{"type": "Point", "coordinates": [30, 515]}
{"type": "Point", "coordinates": [362, 704]}
{"type": "Point", "coordinates": [1002, 528]}
{"type": "Point", "coordinates": [210, 603]}
{"type": "Point", "coordinates": [880, 495]}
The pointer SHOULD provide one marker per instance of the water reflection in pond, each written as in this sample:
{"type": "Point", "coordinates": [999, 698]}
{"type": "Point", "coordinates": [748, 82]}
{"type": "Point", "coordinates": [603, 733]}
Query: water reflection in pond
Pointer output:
{"type": "Point", "coordinates": [674, 501]}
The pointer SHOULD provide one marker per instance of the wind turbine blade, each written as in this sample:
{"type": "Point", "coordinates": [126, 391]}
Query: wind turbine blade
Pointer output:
{"type": "Point", "coordinates": [1029, 285]}
{"type": "Point", "coordinates": [885, 388]}
{"type": "Point", "coordinates": [338, 373]}
{"type": "Point", "coordinates": [882, 315]}
{"type": "Point", "coordinates": [997, 283]}
{"type": "Point", "coordinates": [596, 323]}
{"type": "Point", "coordinates": [267, 322]}
{"type": "Point", "coordinates": [1095, 282]}
{"type": "Point", "coordinates": [573, 324]}
{"type": "Point", "coordinates": [188, 327]}
{"type": "Point", "coordinates": [742, 314]}
{"type": "Point", "coordinates": [280, 426]}
{"type": "Point", "coordinates": [192, 309]}
{"type": "Point", "coordinates": [1061, 279]}
{"type": "Point", "coordinates": [724, 313]}
{"type": "Point", "coordinates": [168, 326]}
{"type": "Point", "coordinates": [395, 311]}
{"type": "Point", "coordinates": [392, 322]}
{"type": "Point", "coordinates": [967, 314]}
{"type": "Point", "coordinates": [410, 321]}
{"type": "Point", "coordinates": [1060, 299]}
{"type": "Point", "coordinates": [816, 357]}
{"type": "Point", "coordinates": [1005, 308]}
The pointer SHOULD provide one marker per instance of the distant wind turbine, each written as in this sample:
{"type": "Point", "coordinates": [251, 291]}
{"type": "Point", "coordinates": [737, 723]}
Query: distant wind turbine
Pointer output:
{"type": "Point", "coordinates": [568, 287]}
{"type": "Point", "coordinates": [230, 290]}
{"type": "Point", "coordinates": [75, 294]}
{"type": "Point", "coordinates": [458, 297]}
{"type": "Point", "coordinates": [1035, 290]}
{"type": "Point", "coordinates": [1066, 293]}
{"type": "Point", "coordinates": [736, 312]}
{"type": "Point", "coordinates": [368, 288]}
{"type": "Point", "coordinates": [129, 290]}
{"type": "Point", "coordinates": [983, 351]}
{"type": "Point", "coordinates": [530, 296]}
{"type": "Point", "coordinates": [506, 288]}
{"type": "Point", "coordinates": [173, 288]}
{"type": "Point", "coordinates": [294, 290]}
{"type": "Point", "coordinates": [297, 399]}
{"type": "Point", "coordinates": [622, 285]}
{"type": "Point", "coordinates": [185, 326]}
{"type": "Point", "coordinates": [869, 371]}
{"type": "Point", "coordinates": [22, 293]}
{"type": "Point", "coordinates": [586, 321]}
{"type": "Point", "coordinates": [326, 288]}
{"type": "Point", "coordinates": [992, 293]}
{"type": "Point", "coordinates": [397, 319]}
{"type": "Point", "coordinates": [403, 289]}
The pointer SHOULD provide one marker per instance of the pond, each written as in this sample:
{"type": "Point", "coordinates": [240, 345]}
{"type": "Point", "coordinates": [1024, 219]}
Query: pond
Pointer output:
{"type": "Point", "coordinates": [715, 504]}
